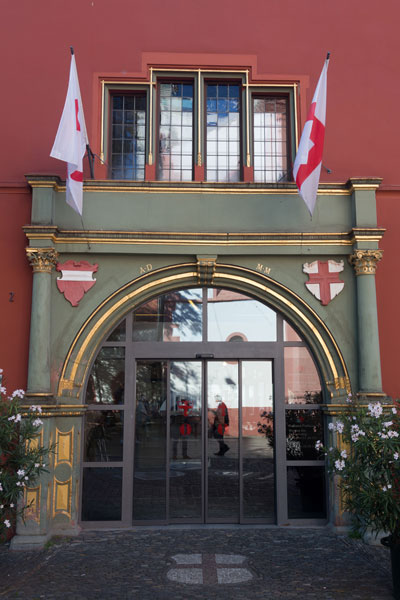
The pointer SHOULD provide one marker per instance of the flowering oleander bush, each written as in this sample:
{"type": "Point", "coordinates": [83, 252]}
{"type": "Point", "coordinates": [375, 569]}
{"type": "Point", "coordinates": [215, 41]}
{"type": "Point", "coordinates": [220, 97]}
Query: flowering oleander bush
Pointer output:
{"type": "Point", "coordinates": [21, 461]}
{"type": "Point", "coordinates": [367, 463]}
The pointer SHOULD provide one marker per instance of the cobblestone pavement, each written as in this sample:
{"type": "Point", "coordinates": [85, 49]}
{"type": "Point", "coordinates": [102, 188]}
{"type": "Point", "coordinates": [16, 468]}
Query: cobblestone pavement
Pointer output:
{"type": "Point", "coordinates": [279, 563]}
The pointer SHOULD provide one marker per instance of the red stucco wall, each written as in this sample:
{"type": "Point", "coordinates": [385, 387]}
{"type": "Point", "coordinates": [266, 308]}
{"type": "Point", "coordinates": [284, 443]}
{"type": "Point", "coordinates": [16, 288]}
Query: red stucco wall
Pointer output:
{"type": "Point", "coordinates": [286, 36]}
{"type": "Point", "coordinates": [16, 277]}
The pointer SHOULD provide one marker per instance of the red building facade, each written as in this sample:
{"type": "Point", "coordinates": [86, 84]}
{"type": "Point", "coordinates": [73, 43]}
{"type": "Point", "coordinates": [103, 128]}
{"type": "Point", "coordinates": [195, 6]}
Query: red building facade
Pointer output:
{"type": "Point", "coordinates": [217, 221]}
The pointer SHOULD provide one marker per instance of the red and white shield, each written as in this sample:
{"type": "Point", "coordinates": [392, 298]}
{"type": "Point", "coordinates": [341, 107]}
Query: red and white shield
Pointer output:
{"type": "Point", "coordinates": [323, 279]}
{"type": "Point", "coordinates": [76, 279]}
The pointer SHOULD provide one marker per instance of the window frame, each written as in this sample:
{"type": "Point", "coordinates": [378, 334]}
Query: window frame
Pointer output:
{"type": "Point", "coordinates": [242, 105]}
{"type": "Point", "coordinates": [268, 93]}
{"type": "Point", "coordinates": [112, 94]}
{"type": "Point", "coordinates": [157, 116]}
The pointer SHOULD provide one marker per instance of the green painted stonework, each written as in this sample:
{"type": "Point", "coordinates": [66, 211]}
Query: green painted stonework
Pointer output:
{"type": "Point", "coordinates": [143, 235]}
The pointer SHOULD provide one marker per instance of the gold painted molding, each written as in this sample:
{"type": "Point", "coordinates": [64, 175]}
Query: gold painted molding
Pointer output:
{"type": "Point", "coordinates": [365, 262]}
{"type": "Point", "coordinates": [62, 496]}
{"type": "Point", "coordinates": [32, 501]}
{"type": "Point", "coordinates": [158, 238]}
{"type": "Point", "coordinates": [64, 447]}
{"type": "Point", "coordinates": [194, 187]}
{"type": "Point", "coordinates": [42, 260]}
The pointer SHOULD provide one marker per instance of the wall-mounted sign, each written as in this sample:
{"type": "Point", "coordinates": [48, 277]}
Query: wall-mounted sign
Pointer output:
{"type": "Point", "coordinates": [76, 279]}
{"type": "Point", "coordinates": [323, 279]}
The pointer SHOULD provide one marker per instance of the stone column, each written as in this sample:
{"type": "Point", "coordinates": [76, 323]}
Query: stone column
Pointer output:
{"type": "Point", "coordinates": [369, 362]}
{"type": "Point", "coordinates": [42, 261]}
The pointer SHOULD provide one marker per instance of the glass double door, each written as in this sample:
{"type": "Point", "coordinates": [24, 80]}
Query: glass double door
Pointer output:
{"type": "Point", "coordinates": [204, 441]}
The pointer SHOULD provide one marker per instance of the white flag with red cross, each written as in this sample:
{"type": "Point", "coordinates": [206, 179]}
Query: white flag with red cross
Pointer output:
{"type": "Point", "coordinates": [308, 162]}
{"type": "Point", "coordinates": [71, 140]}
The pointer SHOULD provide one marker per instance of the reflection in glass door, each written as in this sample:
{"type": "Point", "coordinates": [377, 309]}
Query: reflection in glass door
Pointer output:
{"type": "Point", "coordinates": [223, 441]}
{"type": "Point", "coordinates": [185, 441]}
{"type": "Point", "coordinates": [257, 440]}
{"type": "Point", "coordinates": [204, 452]}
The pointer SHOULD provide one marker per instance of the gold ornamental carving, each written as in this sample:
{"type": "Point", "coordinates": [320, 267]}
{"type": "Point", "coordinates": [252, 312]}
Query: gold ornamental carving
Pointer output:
{"type": "Point", "coordinates": [365, 261]}
{"type": "Point", "coordinates": [205, 269]}
{"type": "Point", "coordinates": [42, 260]}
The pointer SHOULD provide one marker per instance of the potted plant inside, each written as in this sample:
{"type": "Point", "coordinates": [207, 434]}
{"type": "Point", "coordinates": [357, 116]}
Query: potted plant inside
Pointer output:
{"type": "Point", "coordinates": [21, 460]}
{"type": "Point", "coordinates": [366, 462]}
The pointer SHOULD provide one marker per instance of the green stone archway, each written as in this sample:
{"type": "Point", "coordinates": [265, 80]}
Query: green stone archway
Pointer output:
{"type": "Point", "coordinates": [261, 287]}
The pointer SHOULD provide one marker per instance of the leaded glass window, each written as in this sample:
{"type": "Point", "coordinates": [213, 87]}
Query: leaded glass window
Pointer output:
{"type": "Point", "coordinates": [223, 132]}
{"type": "Point", "coordinates": [175, 144]}
{"type": "Point", "coordinates": [270, 137]}
{"type": "Point", "coordinates": [128, 136]}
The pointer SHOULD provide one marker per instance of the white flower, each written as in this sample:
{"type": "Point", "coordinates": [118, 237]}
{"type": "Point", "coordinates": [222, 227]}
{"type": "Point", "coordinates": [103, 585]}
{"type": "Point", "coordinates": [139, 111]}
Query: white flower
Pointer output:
{"type": "Point", "coordinates": [389, 486]}
{"type": "Point", "coordinates": [339, 427]}
{"type": "Point", "coordinates": [1, 370]}
{"type": "Point", "coordinates": [331, 449]}
{"type": "Point", "coordinates": [18, 484]}
{"type": "Point", "coordinates": [18, 393]}
{"type": "Point", "coordinates": [37, 465]}
{"type": "Point", "coordinates": [12, 418]}
{"type": "Point", "coordinates": [1, 505]}
{"type": "Point", "coordinates": [394, 411]}
{"type": "Point", "coordinates": [384, 488]}
{"type": "Point", "coordinates": [340, 465]}
{"type": "Point", "coordinates": [318, 445]}
{"type": "Point", "coordinates": [3, 390]}
{"type": "Point", "coordinates": [387, 424]}
{"type": "Point", "coordinates": [12, 505]}
{"type": "Point", "coordinates": [331, 426]}
{"type": "Point", "coordinates": [349, 398]}
{"type": "Point", "coordinates": [396, 456]}
{"type": "Point", "coordinates": [375, 410]}
{"type": "Point", "coordinates": [20, 472]}
{"type": "Point", "coordinates": [26, 477]}
{"type": "Point", "coordinates": [7, 523]}
{"type": "Point", "coordinates": [343, 454]}
{"type": "Point", "coordinates": [393, 434]}
{"type": "Point", "coordinates": [18, 418]}
{"type": "Point", "coordinates": [35, 408]}
{"type": "Point", "coordinates": [37, 422]}
{"type": "Point", "coordinates": [1, 488]}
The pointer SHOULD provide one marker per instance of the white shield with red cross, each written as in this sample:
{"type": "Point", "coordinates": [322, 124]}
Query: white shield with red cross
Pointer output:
{"type": "Point", "coordinates": [76, 279]}
{"type": "Point", "coordinates": [323, 279]}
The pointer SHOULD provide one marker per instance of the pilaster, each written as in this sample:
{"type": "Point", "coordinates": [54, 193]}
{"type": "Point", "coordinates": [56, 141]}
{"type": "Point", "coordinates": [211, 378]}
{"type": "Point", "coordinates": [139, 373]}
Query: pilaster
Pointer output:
{"type": "Point", "coordinates": [42, 261]}
{"type": "Point", "coordinates": [369, 363]}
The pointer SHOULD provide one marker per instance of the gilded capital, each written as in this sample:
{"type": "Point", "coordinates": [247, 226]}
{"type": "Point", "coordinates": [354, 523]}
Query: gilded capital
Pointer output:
{"type": "Point", "coordinates": [42, 260]}
{"type": "Point", "coordinates": [365, 261]}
